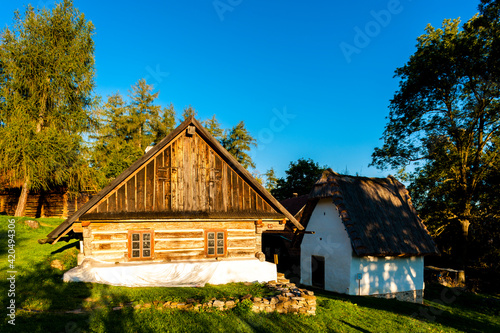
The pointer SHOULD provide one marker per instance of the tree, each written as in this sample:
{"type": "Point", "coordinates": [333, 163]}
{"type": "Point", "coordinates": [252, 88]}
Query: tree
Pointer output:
{"type": "Point", "coordinates": [300, 178]}
{"type": "Point", "coordinates": [115, 145]}
{"type": "Point", "coordinates": [46, 84]}
{"type": "Point", "coordinates": [126, 129]}
{"type": "Point", "coordinates": [167, 124]}
{"type": "Point", "coordinates": [188, 112]}
{"type": "Point", "coordinates": [143, 114]}
{"type": "Point", "coordinates": [271, 180]}
{"type": "Point", "coordinates": [238, 142]}
{"type": "Point", "coordinates": [443, 120]}
{"type": "Point", "coordinates": [213, 127]}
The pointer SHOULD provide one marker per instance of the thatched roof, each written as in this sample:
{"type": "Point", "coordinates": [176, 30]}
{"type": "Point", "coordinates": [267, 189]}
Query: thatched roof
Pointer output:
{"type": "Point", "coordinates": [377, 214]}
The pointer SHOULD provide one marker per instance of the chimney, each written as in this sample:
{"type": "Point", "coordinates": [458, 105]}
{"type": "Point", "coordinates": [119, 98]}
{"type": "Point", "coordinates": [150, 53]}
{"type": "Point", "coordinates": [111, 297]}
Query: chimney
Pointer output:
{"type": "Point", "coordinates": [295, 195]}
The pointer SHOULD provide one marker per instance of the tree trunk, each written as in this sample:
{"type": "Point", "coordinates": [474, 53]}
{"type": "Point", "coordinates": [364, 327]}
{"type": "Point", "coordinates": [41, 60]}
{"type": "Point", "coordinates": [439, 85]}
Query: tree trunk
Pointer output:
{"type": "Point", "coordinates": [23, 199]}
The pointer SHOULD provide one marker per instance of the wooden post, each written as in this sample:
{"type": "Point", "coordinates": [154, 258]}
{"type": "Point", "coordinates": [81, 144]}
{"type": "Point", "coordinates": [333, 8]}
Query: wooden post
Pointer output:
{"type": "Point", "coordinates": [275, 258]}
{"type": "Point", "coordinates": [65, 206]}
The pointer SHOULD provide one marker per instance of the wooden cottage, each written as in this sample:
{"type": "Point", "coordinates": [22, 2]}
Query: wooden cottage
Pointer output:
{"type": "Point", "coordinates": [368, 238]}
{"type": "Point", "coordinates": [186, 201]}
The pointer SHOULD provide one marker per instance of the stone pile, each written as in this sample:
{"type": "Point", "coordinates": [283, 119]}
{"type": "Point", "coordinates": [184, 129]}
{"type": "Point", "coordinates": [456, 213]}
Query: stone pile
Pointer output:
{"type": "Point", "coordinates": [289, 300]}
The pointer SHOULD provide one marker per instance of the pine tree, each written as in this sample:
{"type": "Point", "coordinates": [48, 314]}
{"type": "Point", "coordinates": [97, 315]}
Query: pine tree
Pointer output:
{"type": "Point", "coordinates": [188, 112]}
{"type": "Point", "coordinates": [126, 129]}
{"type": "Point", "coordinates": [164, 124]}
{"type": "Point", "coordinates": [46, 84]}
{"type": "Point", "coordinates": [271, 180]}
{"type": "Point", "coordinates": [142, 114]}
{"type": "Point", "coordinates": [213, 127]}
{"type": "Point", "coordinates": [115, 146]}
{"type": "Point", "coordinates": [238, 142]}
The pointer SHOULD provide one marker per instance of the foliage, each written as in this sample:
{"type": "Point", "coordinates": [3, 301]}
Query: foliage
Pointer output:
{"type": "Point", "coordinates": [444, 120]}
{"type": "Point", "coordinates": [238, 142]}
{"type": "Point", "coordinates": [213, 127]}
{"type": "Point", "coordinates": [300, 178]}
{"type": "Point", "coordinates": [188, 112]}
{"type": "Point", "coordinates": [271, 180]}
{"type": "Point", "coordinates": [126, 129]}
{"type": "Point", "coordinates": [142, 114]}
{"type": "Point", "coordinates": [244, 307]}
{"type": "Point", "coordinates": [46, 84]}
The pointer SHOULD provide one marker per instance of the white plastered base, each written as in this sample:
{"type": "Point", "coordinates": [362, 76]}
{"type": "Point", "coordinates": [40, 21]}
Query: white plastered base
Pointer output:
{"type": "Point", "coordinates": [179, 274]}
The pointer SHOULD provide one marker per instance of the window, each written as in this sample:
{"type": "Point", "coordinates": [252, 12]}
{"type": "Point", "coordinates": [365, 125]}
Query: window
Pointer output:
{"type": "Point", "coordinates": [140, 244]}
{"type": "Point", "coordinates": [215, 243]}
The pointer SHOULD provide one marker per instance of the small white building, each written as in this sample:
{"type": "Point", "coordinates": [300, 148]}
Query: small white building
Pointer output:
{"type": "Point", "coordinates": [368, 238]}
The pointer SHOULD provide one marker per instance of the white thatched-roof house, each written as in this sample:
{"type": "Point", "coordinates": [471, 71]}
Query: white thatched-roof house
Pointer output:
{"type": "Point", "coordinates": [368, 238]}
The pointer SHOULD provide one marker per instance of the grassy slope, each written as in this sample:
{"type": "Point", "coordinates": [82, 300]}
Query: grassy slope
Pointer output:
{"type": "Point", "coordinates": [39, 288]}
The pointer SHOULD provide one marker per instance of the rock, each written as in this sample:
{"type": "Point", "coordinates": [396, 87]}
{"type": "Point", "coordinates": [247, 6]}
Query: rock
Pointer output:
{"type": "Point", "coordinates": [298, 298]}
{"type": "Point", "coordinates": [32, 224]}
{"type": "Point", "coordinates": [218, 304]}
{"type": "Point", "coordinates": [247, 296]}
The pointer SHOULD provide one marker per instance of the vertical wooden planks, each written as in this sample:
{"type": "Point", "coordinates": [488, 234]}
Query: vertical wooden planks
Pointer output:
{"type": "Point", "coordinates": [211, 188]}
{"type": "Point", "coordinates": [223, 183]}
{"type": "Point", "coordinates": [229, 188]}
{"type": "Point", "coordinates": [188, 185]}
{"type": "Point", "coordinates": [174, 177]}
{"type": "Point", "coordinates": [202, 173]}
{"type": "Point", "coordinates": [167, 189]}
{"type": "Point", "coordinates": [103, 207]}
{"type": "Point", "coordinates": [120, 200]}
{"type": "Point", "coordinates": [195, 172]}
{"type": "Point", "coordinates": [180, 175]}
{"type": "Point", "coordinates": [160, 183]}
{"type": "Point", "coordinates": [246, 196]}
{"type": "Point", "coordinates": [253, 198]}
{"type": "Point", "coordinates": [149, 188]}
{"type": "Point", "coordinates": [112, 203]}
{"type": "Point", "coordinates": [218, 205]}
{"type": "Point", "coordinates": [131, 194]}
{"type": "Point", "coordinates": [140, 188]}
{"type": "Point", "coordinates": [241, 194]}
{"type": "Point", "coordinates": [234, 182]}
{"type": "Point", "coordinates": [260, 204]}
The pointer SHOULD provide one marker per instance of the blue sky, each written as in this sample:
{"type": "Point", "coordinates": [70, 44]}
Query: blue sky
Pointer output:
{"type": "Point", "coordinates": [310, 79]}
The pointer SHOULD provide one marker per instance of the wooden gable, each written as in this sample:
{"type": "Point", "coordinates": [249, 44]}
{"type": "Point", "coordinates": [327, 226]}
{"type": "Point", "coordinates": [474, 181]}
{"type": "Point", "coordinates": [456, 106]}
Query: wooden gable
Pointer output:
{"type": "Point", "coordinates": [186, 176]}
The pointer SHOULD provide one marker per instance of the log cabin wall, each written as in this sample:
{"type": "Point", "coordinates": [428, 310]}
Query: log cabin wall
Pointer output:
{"type": "Point", "coordinates": [185, 176]}
{"type": "Point", "coordinates": [47, 204]}
{"type": "Point", "coordinates": [173, 241]}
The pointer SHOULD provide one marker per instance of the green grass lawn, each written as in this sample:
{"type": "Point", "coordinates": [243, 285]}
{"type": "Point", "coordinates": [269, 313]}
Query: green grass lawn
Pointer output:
{"type": "Point", "coordinates": [42, 300]}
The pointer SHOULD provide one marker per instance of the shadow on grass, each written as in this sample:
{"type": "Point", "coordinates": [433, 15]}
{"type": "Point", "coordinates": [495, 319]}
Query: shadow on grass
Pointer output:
{"type": "Point", "coordinates": [449, 307]}
{"type": "Point", "coordinates": [357, 328]}
{"type": "Point", "coordinates": [67, 247]}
